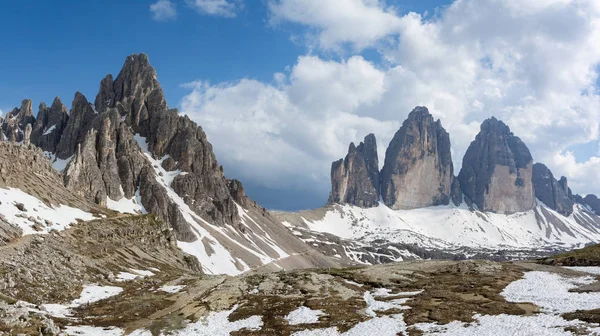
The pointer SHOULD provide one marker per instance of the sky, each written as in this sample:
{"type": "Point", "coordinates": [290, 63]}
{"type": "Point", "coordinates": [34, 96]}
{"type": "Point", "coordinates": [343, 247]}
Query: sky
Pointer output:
{"type": "Point", "coordinates": [281, 87]}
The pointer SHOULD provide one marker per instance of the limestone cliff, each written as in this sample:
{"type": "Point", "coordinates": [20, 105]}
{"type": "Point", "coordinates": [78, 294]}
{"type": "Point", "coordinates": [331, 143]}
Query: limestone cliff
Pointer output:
{"type": "Point", "coordinates": [548, 190]}
{"type": "Point", "coordinates": [355, 179]}
{"type": "Point", "coordinates": [418, 170]}
{"type": "Point", "coordinates": [497, 169]}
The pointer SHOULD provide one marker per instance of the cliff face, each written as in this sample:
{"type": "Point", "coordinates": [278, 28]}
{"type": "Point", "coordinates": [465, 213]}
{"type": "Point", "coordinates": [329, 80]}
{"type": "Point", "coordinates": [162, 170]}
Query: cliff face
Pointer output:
{"type": "Point", "coordinates": [355, 179]}
{"type": "Point", "coordinates": [418, 170]}
{"type": "Point", "coordinates": [497, 170]}
{"type": "Point", "coordinates": [553, 193]}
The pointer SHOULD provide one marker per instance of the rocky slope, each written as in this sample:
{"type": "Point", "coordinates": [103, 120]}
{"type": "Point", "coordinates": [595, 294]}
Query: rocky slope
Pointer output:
{"type": "Point", "coordinates": [418, 170]}
{"type": "Point", "coordinates": [130, 152]}
{"type": "Point", "coordinates": [355, 179]}
{"type": "Point", "coordinates": [496, 171]}
{"type": "Point", "coordinates": [408, 298]}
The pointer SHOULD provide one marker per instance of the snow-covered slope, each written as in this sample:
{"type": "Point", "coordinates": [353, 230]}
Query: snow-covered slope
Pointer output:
{"type": "Point", "coordinates": [230, 249]}
{"type": "Point", "coordinates": [34, 216]}
{"type": "Point", "coordinates": [448, 228]}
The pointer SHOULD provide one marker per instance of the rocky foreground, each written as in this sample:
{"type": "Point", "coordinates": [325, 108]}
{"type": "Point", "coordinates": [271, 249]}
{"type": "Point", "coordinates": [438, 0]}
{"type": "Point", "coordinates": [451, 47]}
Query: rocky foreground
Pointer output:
{"type": "Point", "coordinates": [406, 298]}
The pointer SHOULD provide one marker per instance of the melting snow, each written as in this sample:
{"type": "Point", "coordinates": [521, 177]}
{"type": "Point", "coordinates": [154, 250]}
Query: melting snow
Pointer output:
{"type": "Point", "coordinates": [503, 325]}
{"type": "Point", "coordinates": [50, 130]}
{"type": "Point", "coordinates": [90, 294]}
{"type": "Point", "coordinates": [172, 289]}
{"type": "Point", "coordinates": [216, 324]}
{"type": "Point", "coordinates": [61, 216]}
{"type": "Point", "coordinates": [127, 205]}
{"type": "Point", "coordinates": [126, 276]}
{"type": "Point", "coordinates": [93, 331]}
{"type": "Point", "coordinates": [586, 269]}
{"type": "Point", "coordinates": [550, 291]}
{"type": "Point", "coordinates": [304, 315]}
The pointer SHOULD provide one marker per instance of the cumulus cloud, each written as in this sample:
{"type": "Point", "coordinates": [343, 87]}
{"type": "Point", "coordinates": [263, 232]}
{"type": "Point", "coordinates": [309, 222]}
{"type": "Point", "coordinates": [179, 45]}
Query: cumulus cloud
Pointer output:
{"type": "Point", "coordinates": [286, 135]}
{"type": "Point", "coordinates": [225, 8]}
{"type": "Point", "coordinates": [533, 65]}
{"type": "Point", "coordinates": [163, 10]}
{"type": "Point", "coordinates": [336, 22]}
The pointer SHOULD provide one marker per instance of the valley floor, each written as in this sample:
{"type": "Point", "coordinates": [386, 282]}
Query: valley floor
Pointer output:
{"type": "Point", "coordinates": [405, 298]}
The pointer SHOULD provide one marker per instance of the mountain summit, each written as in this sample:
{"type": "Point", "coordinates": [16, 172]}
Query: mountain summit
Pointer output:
{"type": "Point", "coordinates": [497, 169]}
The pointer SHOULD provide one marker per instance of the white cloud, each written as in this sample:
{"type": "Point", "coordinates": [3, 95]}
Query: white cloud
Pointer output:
{"type": "Point", "coordinates": [225, 8]}
{"type": "Point", "coordinates": [361, 22]}
{"type": "Point", "coordinates": [533, 65]}
{"type": "Point", "coordinates": [163, 10]}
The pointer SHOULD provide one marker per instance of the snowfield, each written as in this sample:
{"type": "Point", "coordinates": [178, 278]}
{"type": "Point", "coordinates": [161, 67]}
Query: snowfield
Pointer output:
{"type": "Point", "coordinates": [449, 227]}
{"type": "Point", "coordinates": [34, 210]}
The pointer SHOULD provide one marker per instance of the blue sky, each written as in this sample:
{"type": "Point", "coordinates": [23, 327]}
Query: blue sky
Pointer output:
{"type": "Point", "coordinates": [282, 86]}
{"type": "Point", "coordinates": [55, 48]}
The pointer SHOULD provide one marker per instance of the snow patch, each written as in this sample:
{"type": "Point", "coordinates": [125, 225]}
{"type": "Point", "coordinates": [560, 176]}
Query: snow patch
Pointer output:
{"type": "Point", "coordinates": [550, 291]}
{"type": "Point", "coordinates": [503, 325]}
{"type": "Point", "coordinates": [172, 289]}
{"type": "Point", "coordinates": [61, 216]}
{"type": "Point", "coordinates": [304, 315]}
{"type": "Point", "coordinates": [50, 130]}
{"type": "Point", "coordinates": [216, 324]}
{"type": "Point", "coordinates": [90, 294]}
{"type": "Point", "coordinates": [586, 269]}
{"type": "Point", "coordinates": [93, 331]}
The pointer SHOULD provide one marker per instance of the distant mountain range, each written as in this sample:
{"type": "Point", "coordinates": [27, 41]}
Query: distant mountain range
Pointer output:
{"type": "Point", "coordinates": [129, 152]}
{"type": "Point", "coordinates": [501, 204]}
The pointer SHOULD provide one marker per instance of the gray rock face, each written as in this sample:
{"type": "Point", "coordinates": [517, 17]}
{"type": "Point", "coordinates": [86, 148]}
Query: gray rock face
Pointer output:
{"type": "Point", "coordinates": [565, 186]}
{"type": "Point", "coordinates": [82, 173]}
{"type": "Point", "coordinates": [355, 179]}
{"type": "Point", "coordinates": [27, 135]}
{"type": "Point", "coordinates": [550, 191]}
{"type": "Point", "coordinates": [418, 170]}
{"type": "Point", "coordinates": [49, 125]}
{"type": "Point", "coordinates": [456, 193]}
{"type": "Point", "coordinates": [82, 115]}
{"type": "Point", "coordinates": [13, 125]}
{"type": "Point", "coordinates": [593, 202]}
{"type": "Point", "coordinates": [497, 169]}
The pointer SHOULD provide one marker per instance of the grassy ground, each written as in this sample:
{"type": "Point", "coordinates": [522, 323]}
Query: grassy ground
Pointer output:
{"type": "Point", "coordinates": [588, 256]}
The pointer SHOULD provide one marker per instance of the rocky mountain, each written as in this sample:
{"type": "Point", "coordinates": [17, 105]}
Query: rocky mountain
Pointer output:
{"type": "Point", "coordinates": [355, 179]}
{"type": "Point", "coordinates": [496, 171]}
{"type": "Point", "coordinates": [131, 153]}
{"type": "Point", "coordinates": [553, 193]}
{"type": "Point", "coordinates": [418, 170]}
{"type": "Point", "coordinates": [512, 209]}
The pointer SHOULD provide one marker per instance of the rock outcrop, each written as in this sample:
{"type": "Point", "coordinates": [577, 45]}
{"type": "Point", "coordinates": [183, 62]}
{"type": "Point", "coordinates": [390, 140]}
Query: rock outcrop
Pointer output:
{"type": "Point", "coordinates": [49, 125]}
{"type": "Point", "coordinates": [355, 179]}
{"type": "Point", "coordinates": [418, 170]}
{"type": "Point", "coordinates": [497, 169]}
{"type": "Point", "coordinates": [13, 125]}
{"type": "Point", "coordinates": [82, 115]}
{"type": "Point", "coordinates": [551, 192]}
{"type": "Point", "coordinates": [593, 202]}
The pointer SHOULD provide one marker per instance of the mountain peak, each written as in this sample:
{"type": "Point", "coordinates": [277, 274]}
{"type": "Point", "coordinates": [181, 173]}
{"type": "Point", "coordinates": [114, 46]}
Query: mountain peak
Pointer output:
{"type": "Point", "coordinates": [355, 179]}
{"type": "Point", "coordinates": [497, 169]}
{"type": "Point", "coordinates": [418, 170]}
